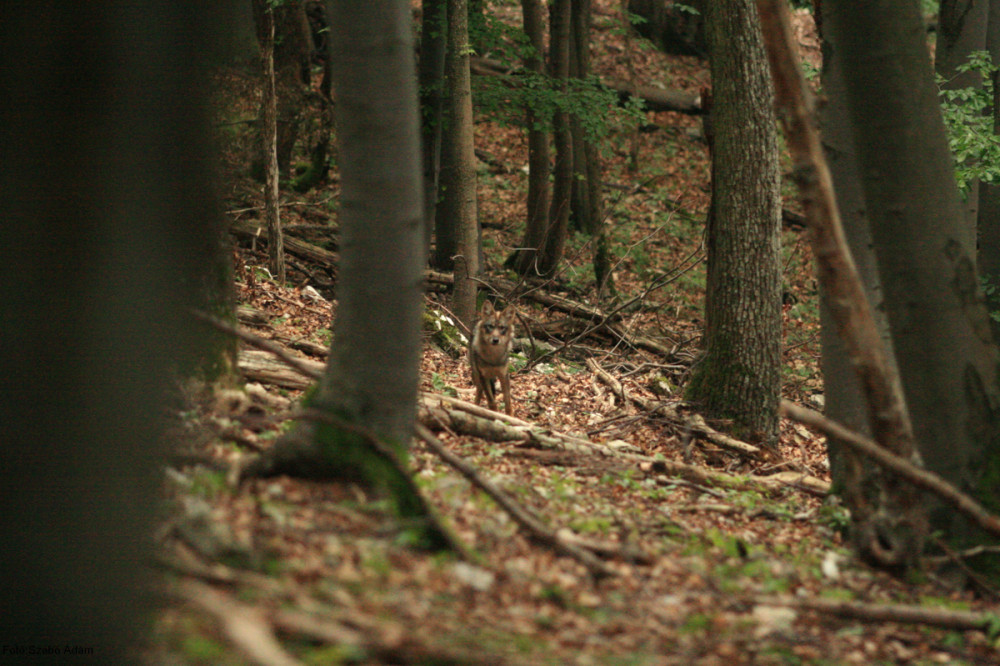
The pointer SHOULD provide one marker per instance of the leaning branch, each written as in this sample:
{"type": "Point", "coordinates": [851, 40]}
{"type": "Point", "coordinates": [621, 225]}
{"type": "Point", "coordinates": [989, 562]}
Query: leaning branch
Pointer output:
{"type": "Point", "coordinates": [901, 466]}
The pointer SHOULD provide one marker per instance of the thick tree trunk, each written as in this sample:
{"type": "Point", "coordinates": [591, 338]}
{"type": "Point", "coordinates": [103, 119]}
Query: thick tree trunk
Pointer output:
{"type": "Point", "coordinates": [107, 217]}
{"type": "Point", "coordinates": [844, 398]}
{"type": "Point", "coordinates": [739, 376]}
{"type": "Point", "coordinates": [947, 361]}
{"type": "Point", "coordinates": [889, 523]}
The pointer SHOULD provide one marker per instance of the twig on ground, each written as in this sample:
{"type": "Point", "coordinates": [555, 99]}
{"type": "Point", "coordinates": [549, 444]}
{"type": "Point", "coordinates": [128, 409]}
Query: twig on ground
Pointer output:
{"type": "Point", "coordinates": [694, 423]}
{"type": "Point", "coordinates": [531, 524]}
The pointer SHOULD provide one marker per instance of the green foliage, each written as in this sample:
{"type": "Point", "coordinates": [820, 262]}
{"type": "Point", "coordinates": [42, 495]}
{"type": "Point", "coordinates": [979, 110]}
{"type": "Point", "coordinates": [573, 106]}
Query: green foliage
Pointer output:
{"type": "Point", "coordinates": [991, 294]}
{"type": "Point", "coordinates": [595, 105]}
{"type": "Point", "coordinates": [968, 116]}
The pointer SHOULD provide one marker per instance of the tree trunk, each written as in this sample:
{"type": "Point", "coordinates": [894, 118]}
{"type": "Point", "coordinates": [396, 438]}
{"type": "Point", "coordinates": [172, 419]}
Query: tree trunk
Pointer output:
{"type": "Point", "coordinates": [554, 243]}
{"type": "Point", "coordinates": [371, 380]}
{"type": "Point", "coordinates": [524, 258]}
{"type": "Point", "coordinates": [433, 50]}
{"type": "Point", "coordinates": [96, 284]}
{"type": "Point", "coordinates": [961, 31]}
{"type": "Point", "coordinates": [269, 134]}
{"type": "Point", "coordinates": [989, 194]}
{"type": "Point", "coordinates": [739, 376]}
{"type": "Point", "coordinates": [844, 399]}
{"type": "Point", "coordinates": [671, 25]}
{"type": "Point", "coordinates": [588, 206]}
{"type": "Point", "coordinates": [291, 75]}
{"type": "Point", "coordinates": [946, 358]}
{"type": "Point", "coordinates": [889, 523]}
{"type": "Point", "coordinates": [459, 204]}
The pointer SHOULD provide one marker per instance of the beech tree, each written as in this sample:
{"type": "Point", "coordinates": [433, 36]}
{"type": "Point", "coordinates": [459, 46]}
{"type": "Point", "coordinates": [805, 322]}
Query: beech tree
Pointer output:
{"type": "Point", "coordinates": [739, 376]}
{"type": "Point", "coordinates": [962, 31]}
{"type": "Point", "coordinates": [110, 231]}
{"type": "Point", "coordinates": [458, 178]}
{"type": "Point", "coordinates": [946, 358]}
{"type": "Point", "coordinates": [524, 258]}
{"type": "Point", "coordinates": [366, 404]}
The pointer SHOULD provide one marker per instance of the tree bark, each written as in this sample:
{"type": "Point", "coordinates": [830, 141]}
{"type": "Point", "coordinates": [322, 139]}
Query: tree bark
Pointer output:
{"type": "Point", "coordinates": [961, 31]}
{"type": "Point", "coordinates": [370, 387]}
{"type": "Point", "coordinates": [947, 361]}
{"type": "Point", "coordinates": [96, 283]}
{"type": "Point", "coordinates": [989, 194]}
{"type": "Point", "coordinates": [459, 203]}
{"type": "Point", "coordinates": [554, 243]}
{"type": "Point", "coordinates": [739, 375]}
{"type": "Point", "coordinates": [845, 401]}
{"type": "Point", "coordinates": [524, 258]}
{"type": "Point", "coordinates": [269, 135]}
{"type": "Point", "coordinates": [433, 50]}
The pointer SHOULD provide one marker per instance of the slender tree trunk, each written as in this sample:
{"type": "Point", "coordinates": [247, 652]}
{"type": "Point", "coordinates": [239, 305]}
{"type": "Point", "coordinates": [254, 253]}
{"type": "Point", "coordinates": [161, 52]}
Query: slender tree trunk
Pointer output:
{"type": "Point", "coordinates": [739, 376]}
{"type": "Point", "coordinates": [524, 259]}
{"type": "Point", "coordinates": [588, 209]}
{"type": "Point", "coordinates": [269, 133]}
{"type": "Point", "coordinates": [459, 203]}
{"type": "Point", "coordinates": [433, 49]}
{"type": "Point", "coordinates": [962, 30]}
{"type": "Point", "coordinates": [947, 361]}
{"type": "Point", "coordinates": [96, 283]}
{"type": "Point", "coordinates": [559, 56]}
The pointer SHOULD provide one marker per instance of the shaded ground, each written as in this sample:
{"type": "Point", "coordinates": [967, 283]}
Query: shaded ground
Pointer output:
{"type": "Point", "coordinates": [321, 567]}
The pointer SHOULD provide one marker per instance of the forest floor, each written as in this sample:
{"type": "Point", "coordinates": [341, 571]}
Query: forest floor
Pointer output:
{"type": "Point", "coordinates": [746, 566]}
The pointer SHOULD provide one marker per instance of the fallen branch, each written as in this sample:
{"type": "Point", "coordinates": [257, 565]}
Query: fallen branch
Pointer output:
{"type": "Point", "coordinates": [296, 246]}
{"type": "Point", "coordinates": [921, 478]}
{"type": "Point", "coordinates": [434, 413]}
{"type": "Point", "coordinates": [243, 625]}
{"type": "Point", "coordinates": [306, 368]}
{"type": "Point", "coordinates": [524, 518]}
{"type": "Point", "coordinates": [695, 423]}
{"type": "Point", "coordinates": [908, 614]}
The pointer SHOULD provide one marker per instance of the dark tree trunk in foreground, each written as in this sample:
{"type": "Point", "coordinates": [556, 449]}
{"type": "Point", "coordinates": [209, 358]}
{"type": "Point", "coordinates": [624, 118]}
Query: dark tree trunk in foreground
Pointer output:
{"type": "Point", "coordinates": [371, 380]}
{"type": "Point", "coordinates": [107, 217]}
{"type": "Point", "coordinates": [739, 376]}
{"type": "Point", "coordinates": [888, 520]}
{"type": "Point", "coordinates": [947, 361]}
{"type": "Point", "coordinates": [845, 400]}
{"type": "Point", "coordinates": [988, 221]}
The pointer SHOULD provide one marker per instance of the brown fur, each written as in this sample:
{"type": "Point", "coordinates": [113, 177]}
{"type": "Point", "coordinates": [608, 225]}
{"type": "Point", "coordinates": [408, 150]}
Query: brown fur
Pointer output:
{"type": "Point", "coordinates": [489, 353]}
